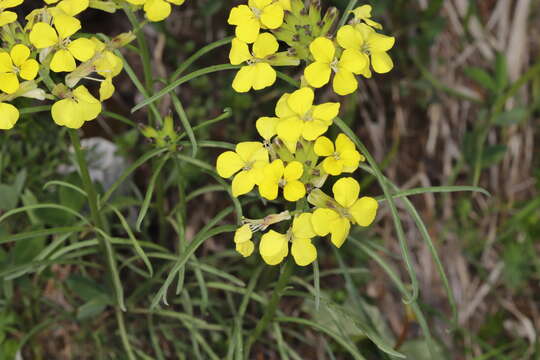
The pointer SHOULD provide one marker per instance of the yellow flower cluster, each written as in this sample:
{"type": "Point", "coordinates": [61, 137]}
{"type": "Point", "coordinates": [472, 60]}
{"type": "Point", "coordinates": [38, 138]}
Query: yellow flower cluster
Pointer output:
{"type": "Point", "coordinates": [47, 57]}
{"type": "Point", "coordinates": [295, 155]}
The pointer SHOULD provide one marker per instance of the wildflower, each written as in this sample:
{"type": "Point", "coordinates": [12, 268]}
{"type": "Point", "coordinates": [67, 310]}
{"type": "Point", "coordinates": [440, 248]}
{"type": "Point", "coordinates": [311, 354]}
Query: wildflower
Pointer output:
{"type": "Point", "coordinates": [242, 239]}
{"type": "Point", "coordinates": [247, 162]}
{"type": "Point", "coordinates": [78, 106]}
{"type": "Point", "coordinates": [258, 73]}
{"type": "Point", "coordinates": [273, 247]}
{"type": "Point", "coordinates": [70, 7]}
{"type": "Point", "coordinates": [44, 36]}
{"type": "Point", "coordinates": [339, 159]}
{"type": "Point", "coordinates": [15, 63]}
{"type": "Point", "coordinates": [276, 174]}
{"type": "Point", "coordinates": [156, 10]}
{"type": "Point", "coordinates": [8, 116]}
{"type": "Point", "coordinates": [7, 17]}
{"type": "Point", "coordinates": [317, 74]}
{"type": "Point", "coordinates": [249, 19]}
{"type": "Point", "coordinates": [335, 216]}
{"type": "Point", "coordinates": [363, 14]}
{"type": "Point", "coordinates": [368, 45]}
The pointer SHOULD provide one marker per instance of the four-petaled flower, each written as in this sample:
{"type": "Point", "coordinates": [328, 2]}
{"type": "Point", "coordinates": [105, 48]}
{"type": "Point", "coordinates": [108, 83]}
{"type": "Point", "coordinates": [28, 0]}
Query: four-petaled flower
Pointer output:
{"type": "Point", "coordinates": [7, 17]}
{"type": "Point", "coordinates": [257, 73]}
{"type": "Point", "coordinates": [242, 239]}
{"type": "Point", "coordinates": [248, 161]}
{"type": "Point", "coordinates": [317, 74]}
{"type": "Point", "coordinates": [156, 10]}
{"type": "Point", "coordinates": [9, 115]}
{"type": "Point", "coordinates": [249, 19]}
{"type": "Point", "coordinates": [339, 159]}
{"type": "Point", "coordinates": [368, 46]}
{"type": "Point", "coordinates": [44, 36]}
{"type": "Point", "coordinates": [78, 106]}
{"type": "Point", "coordinates": [335, 217]}
{"type": "Point", "coordinates": [276, 174]}
{"type": "Point", "coordinates": [14, 64]}
{"type": "Point", "coordinates": [363, 14]}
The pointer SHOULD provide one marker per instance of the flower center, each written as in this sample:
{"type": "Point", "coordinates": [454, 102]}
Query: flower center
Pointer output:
{"type": "Point", "coordinates": [365, 48]}
{"type": "Point", "coordinates": [334, 65]}
{"type": "Point", "coordinates": [257, 12]}
{"type": "Point", "coordinates": [335, 155]}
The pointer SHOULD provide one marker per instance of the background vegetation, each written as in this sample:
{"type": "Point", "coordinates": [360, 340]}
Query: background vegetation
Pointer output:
{"type": "Point", "coordinates": [462, 107]}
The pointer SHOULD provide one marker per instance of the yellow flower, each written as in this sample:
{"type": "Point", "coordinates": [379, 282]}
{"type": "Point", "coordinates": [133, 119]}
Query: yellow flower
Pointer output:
{"type": "Point", "coordinates": [336, 217]}
{"type": "Point", "coordinates": [157, 10]}
{"type": "Point", "coordinates": [276, 174]}
{"type": "Point", "coordinates": [70, 7]}
{"type": "Point", "coordinates": [258, 73]}
{"type": "Point", "coordinates": [15, 63]}
{"type": "Point", "coordinates": [248, 161]}
{"type": "Point", "coordinates": [44, 36]}
{"type": "Point", "coordinates": [249, 19]}
{"type": "Point", "coordinates": [76, 108]}
{"type": "Point", "coordinates": [368, 45]}
{"type": "Point", "coordinates": [302, 250]}
{"type": "Point", "coordinates": [7, 17]}
{"type": "Point", "coordinates": [339, 159]}
{"type": "Point", "coordinates": [363, 13]}
{"type": "Point", "coordinates": [242, 239]}
{"type": "Point", "coordinates": [273, 247]}
{"type": "Point", "coordinates": [8, 116]}
{"type": "Point", "coordinates": [317, 74]}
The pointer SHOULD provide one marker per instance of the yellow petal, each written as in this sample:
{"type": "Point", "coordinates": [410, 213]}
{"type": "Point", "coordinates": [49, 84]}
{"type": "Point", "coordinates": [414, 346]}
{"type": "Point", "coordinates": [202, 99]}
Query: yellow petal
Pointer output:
{"type": "Point", "coordinates": [7, 17]}
{"type": "Point", "coordinates": [73, 7]}
{"type": "Point", "coordinates": [362, 12]}
{"type": "Point", "coordinates": [239, 14]}
{"type": "Point", "coordinates": [242, 183]}
{"type": "Point", "coordinates": [66, 113]}
{"type": "Point", "coordinates": [239, 52]}
{"type": "Point", "coordinates": [266, 126]}
{"type": "Point", "coordinates": [29, 69]}
{"type": "Point", "coordinates": [82, 94]}
{"type": "Point", "coordinates": [289, 130]}
{"type": "Point", "coordinates": [274, 171]}
{"type": "Point", "coordinates": [157, 10]}
{"type": "Point", "coordinates": [228, 164]}
{"type": "Point", "coordinates": [349, 38]}
{"type": "Point", "coordinates": [345, 83]}
{"type": "Point", "coordinates": [293, 171]}
{"type": "Point", "coordinates": [243, 81]}
{"type": "Point", "coordinates": [265, 76]}
{"type": "Point", "coordinates": [302, 227]}
{"type": "Point", "coordinates": [268, 189]}
{"type": "Point", "coordinates": [294, 190]}
{"type": "Point", "coordinates": [303, 251]}
{"type": "Point", "coordinates": [265, 45]}
{"type": "Point", "coordinates": [326, 112]}
{"type": "Point", "coordinates": [6, 65]}
{"type": "Point", "coordinates": [340, 231]}
{"type": "Point", "coordinates": [19, 53]}
{"type": "Point", "coordinates": [246, 248]}
{"type": "Point", "coordinates": [324, 146]}
{"type": "Point", "coordinates": [301, 101]}
{"type": "Point", "coordinates": [248, 30]}
{"type": "Point", "coordinates": [66, 25]}
{"type": "Point", "coordinates": [343, 143]}
{"type": "Point", "coordinates": [322, 220]}
{"type": "Point", "coordinates": [82, 49]}
{"type": "Point", "coordinates": [282, 107]}
{"type": "Point", "coordinates": [313, 129]}
{"type": "Point", "coordinates": [351, 160]}
{"type": "Point", "coordinates": [323, 50]}
{"type": "Point", "coordinates": [380, 43]}
{"type": "Point", "coordinates": [9, 83]}
{"type": "Point", "coordinates": [43, 35]}
{"type": "Point", "coordinates": [317, 74]}
{"type": "Point", "coordinates": [8, 116]}
{"type": "Point", "coordinates": [353, 60]}
{"type": "Point", "coordinates": [332, 166]}
{"type": "Point", "coordinates": [62, 61]}
{"type": "Point", "coordinates": [106, 89]}
{"type": "Point", "coordinates": [251, 151]}
{"type": "Point", "coordinates": [382, 62]}
{"type": "Point", "coordinates": [272, 16]}
{"type": "Point", "coordinates": [273, 247]}
{"type": "Point", "coordinates": [346, 191]}
{"type": "Point", "coordinates": [364, 210]}
{"type": "Point", "coordinates": [243, 234]}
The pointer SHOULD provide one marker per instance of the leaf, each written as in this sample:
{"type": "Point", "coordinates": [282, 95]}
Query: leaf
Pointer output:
{"type": "Point", "coordinates": [511, 117]}
{"type": "Point", "coordinates": [93, 307]}
{"type": "Point", "coordinates": [8, 197]}
{"type": "Point", "coordinates": [501, 71]}
{"type": "Point", "coordinates": [493, 155]}
{"type": "Point", "coordinates": [86, 288]}
{"type": "Point", "coordinates": [481, 77]}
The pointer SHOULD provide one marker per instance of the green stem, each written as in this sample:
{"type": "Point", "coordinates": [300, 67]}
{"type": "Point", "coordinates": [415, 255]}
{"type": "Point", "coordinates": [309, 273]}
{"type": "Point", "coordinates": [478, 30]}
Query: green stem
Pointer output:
{"type": "Point", "coordinates": [348, 9]}
{"type": "Point", "coordinates": [271, 308]}
{"type": "Point", "coordinates": [123, 334]}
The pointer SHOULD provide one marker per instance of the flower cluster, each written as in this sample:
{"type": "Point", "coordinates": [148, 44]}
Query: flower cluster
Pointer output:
{"type": "Point", "coordinates": [46, 57]}
{"type": "Point", "coordinates": [295, 159]}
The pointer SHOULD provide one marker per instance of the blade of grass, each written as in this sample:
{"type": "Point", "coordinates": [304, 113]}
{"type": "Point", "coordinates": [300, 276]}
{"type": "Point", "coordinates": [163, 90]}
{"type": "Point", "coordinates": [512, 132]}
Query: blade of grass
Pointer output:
{"type": "Point", "coordinates": [65, 184]}
{"type": "Point", "coordinates": [185, 123]}
{"type": "Point", "coordinates": [347, 12]}
{"type": "Point", "coordinates": [43, 206]}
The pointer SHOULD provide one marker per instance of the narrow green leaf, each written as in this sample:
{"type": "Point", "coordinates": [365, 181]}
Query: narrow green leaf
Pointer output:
{"type": "Point", "coordinates": [511, 117]}
{"type": "Point", "coordinates": [65, 184]}
{"type": "Point", "coordinates": [481, 77]}
{"type": "Point", "coordinates": [185, 123]}
{"type": "Point", "coordinates": [42, 206]}
{"type": "Point", "coordinates": [41, 233]}
{"type": "Point", "coordinates": [117, 283]}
